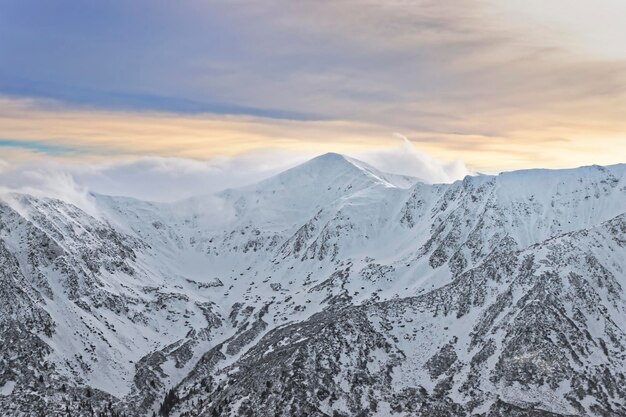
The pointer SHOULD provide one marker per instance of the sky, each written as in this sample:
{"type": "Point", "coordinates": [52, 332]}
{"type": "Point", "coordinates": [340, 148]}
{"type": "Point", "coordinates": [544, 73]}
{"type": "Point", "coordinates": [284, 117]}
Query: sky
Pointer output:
{"type": "Point", "coordinates": [235, 90]}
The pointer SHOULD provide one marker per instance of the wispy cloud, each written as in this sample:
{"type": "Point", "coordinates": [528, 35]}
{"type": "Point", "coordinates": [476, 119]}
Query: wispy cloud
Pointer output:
{"type": "Point", "coordinates": [170, 178]}
{"type": "Point", "coordinates": [91, 134]}
{"type": "Point", "coordinates": [406, 159]}
{"type": "Point", "coordinates": [464, 79]}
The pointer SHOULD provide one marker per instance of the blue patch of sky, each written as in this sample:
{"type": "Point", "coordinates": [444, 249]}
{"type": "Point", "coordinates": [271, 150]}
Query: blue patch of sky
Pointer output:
{"type": "Point", "coordinates": [70, 95]}
{"type": "Point", "coordinates": [41, 147]}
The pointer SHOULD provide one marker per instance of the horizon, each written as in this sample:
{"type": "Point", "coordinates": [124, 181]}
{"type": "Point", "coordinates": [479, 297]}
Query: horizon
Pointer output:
{"type": "Point", "coordinates": [76, 185]}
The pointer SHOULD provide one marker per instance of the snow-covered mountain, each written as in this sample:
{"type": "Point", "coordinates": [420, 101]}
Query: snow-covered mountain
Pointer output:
{"type": "Point", "coordinates": [331, 289]}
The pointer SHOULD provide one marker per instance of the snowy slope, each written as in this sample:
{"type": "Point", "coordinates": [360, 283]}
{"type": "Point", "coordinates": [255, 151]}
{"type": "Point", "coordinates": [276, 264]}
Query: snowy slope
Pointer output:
{"type": "Point", "coordinates": [329, 288]}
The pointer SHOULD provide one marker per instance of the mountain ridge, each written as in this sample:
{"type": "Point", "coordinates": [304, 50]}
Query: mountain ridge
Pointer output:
{"type": "Point", "coordinates": [382, 300]}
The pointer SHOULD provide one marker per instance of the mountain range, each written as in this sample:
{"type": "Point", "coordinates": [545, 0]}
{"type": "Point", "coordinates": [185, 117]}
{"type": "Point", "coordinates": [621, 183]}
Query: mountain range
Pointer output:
{"type": "Point", "coordinates": [331, 289]}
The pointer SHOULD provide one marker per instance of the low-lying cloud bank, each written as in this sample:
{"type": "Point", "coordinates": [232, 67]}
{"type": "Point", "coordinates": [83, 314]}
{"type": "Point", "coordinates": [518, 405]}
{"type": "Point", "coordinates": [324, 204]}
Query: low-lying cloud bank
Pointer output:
{"type": "Point", "coordinates": [170, 179]}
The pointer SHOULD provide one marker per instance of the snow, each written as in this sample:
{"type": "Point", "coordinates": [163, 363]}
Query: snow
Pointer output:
{"type": "Point", "coordinates": [252, 237]}
{"type": "Point", "coordinates": [7, 388]}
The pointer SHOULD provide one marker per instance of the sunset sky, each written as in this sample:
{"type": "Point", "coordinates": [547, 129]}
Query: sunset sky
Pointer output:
{"type": "Point", "coordinates": [498, 85]}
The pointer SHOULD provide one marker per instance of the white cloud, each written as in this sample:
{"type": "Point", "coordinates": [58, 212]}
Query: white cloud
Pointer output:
{"type": "Point", "coordinates": [147, 178]}
{"type": "Point", "coordinates": [171, 179]}
{"type": "Point", "coordinates": [43, 180]}
{"type": "Point", "coordinates": [406, 159]}
{"type": "Point", "coordinates": [168, 179]}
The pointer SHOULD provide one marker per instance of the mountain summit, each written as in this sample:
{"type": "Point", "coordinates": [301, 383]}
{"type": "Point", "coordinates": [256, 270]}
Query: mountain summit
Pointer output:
{"type": "Point", "coordinates": [341, 170]}
{"type": "Point", "coordinates": [331, 289]}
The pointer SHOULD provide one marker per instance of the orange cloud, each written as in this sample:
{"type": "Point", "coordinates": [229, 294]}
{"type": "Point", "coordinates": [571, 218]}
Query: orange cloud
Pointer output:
{"type": "Point", "coordinates": [100, 134]}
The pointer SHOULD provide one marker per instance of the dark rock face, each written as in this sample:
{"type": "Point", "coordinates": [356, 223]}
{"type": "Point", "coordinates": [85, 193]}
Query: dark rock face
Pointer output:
{"type": "Point", "coordinates": [439, 363]}
{"type": "Point", "coordinates": [523, 337]}
{"type": "Point", "coordinates": [480, 298]}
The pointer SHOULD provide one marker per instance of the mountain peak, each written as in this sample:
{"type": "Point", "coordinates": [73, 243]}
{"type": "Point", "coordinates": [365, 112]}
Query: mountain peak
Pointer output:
{"type": "Point", "coordinates": [332, 160]}
{"type": "Point", "coordinates": [318, 182]}
{"type": "Point", "coordinates": [334, 169]}
{"type": "Point", "coordinates": [330, 156]}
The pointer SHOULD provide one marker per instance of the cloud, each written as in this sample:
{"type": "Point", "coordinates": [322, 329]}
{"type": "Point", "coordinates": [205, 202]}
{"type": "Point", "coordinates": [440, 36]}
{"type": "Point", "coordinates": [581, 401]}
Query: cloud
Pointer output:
{"type": "Point", "coordinates": [43, 181]}
{"type": "Point", "coordinates": [169, 179]}
{"type": "Point", "coordinates": [415, 65]}
{"type": "Point", "coordinates": [406, 159]}
{"type": "Point", "coordinates": [50, 130]}
{"type": "Point", "coordinates": [148, 178]}
{"type": "Point", "coordinates": [50, 125]}
{"type": "Point", "coordinates": [463, 79]}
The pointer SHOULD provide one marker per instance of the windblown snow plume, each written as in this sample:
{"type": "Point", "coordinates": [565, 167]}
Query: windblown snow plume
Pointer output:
{"type": "Point", "coordinates": [406, 159]}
